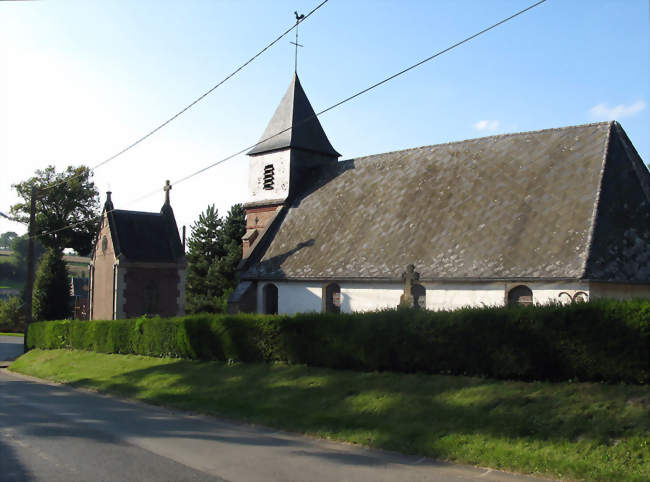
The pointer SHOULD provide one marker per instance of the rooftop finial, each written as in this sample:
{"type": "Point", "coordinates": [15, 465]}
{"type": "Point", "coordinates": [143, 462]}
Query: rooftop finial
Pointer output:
{"type": "Point", "coordinates": [108, 205]}
{"type": "Point", "coordinates": [299, 18]}
{"type": "Point", "coordinates": [167, 188]}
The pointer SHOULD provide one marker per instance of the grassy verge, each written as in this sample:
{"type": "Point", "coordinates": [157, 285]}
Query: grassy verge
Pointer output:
{"type": "Point", "coordinates": [11, 334]}
{"type": "Point", "coordinates": [564, 430]}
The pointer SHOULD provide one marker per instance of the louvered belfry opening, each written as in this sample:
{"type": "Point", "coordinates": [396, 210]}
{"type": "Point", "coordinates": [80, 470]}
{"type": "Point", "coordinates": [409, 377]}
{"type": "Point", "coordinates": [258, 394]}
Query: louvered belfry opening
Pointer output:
{"type": "Point", "coordinates": [269, 175]}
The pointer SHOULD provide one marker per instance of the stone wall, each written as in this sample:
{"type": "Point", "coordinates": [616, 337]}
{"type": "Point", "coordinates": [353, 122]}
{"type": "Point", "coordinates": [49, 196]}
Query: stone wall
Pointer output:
{"type": "Point", "coordinates": [102, 275]}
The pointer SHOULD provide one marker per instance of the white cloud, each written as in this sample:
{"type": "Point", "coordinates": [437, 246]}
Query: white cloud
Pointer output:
{"type": "Point", "coordinates": [602, 111]}
{"type": "Point", "coordinates": [487, 125]}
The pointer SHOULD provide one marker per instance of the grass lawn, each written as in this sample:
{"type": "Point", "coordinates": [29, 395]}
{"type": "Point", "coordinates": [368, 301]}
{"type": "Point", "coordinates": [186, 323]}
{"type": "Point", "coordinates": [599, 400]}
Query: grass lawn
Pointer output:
{"type": "Point", "coordinates": [563, 430]}
{"type": "Point", "coordinates": [11, 334]}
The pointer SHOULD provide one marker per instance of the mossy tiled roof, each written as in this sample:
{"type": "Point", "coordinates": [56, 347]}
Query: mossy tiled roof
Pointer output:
{"type": "Point", "coordinates": [565, 203]}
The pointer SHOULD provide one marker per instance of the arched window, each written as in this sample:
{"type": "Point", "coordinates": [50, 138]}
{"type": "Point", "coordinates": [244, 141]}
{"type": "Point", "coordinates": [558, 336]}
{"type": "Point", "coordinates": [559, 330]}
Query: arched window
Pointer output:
{"type": "Point", "coordinates": [520, 295]}
{"type": "Point", "coordinates": [332, 297]}
{"type": "Point", "coordinates": [269, 175]}
{"type": "Point", "coordinates": [580, 297]}
{"type": "Point", "coordinates": [270, 299]}
{"type": "Point", "coordinates": [419, 296]}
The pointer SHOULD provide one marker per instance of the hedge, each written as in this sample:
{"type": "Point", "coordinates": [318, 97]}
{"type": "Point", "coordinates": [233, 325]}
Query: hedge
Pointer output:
{"type": "Point", "coordinates": [603, 340]}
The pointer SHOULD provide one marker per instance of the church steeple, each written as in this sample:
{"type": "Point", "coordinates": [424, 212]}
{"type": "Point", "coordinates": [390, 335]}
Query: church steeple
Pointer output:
{"type": "Point", "coordinates": [292, 149]}
{"type": "Point", "coordinates": [296, 120]}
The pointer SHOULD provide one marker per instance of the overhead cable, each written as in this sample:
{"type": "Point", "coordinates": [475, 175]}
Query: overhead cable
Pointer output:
{"type": "Point", "coordinates": [197, 100]}
{"type": "Point", "coordinates": [347, 99]}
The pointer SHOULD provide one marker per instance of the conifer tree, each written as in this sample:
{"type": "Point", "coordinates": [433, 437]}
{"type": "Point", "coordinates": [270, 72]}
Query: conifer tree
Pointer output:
{"type": "Point", "coordinates": [214, 252]}
{"type": "Point", "coordinates": [51, 288]}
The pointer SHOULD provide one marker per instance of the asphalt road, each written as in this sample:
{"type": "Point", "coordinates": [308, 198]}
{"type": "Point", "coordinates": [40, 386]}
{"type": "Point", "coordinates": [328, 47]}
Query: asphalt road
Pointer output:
{"type": "Point", "coordinates": [53, 432]}
{"type": "Point", "coordinates": [11, 347]}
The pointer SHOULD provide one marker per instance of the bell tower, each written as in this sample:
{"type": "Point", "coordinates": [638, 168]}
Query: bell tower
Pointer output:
{"type": "Point", "coordinates": [293, 146]}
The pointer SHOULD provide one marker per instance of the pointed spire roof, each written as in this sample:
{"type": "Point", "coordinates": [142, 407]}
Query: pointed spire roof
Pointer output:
{"type": "Point", "coordinates": [307, 133]}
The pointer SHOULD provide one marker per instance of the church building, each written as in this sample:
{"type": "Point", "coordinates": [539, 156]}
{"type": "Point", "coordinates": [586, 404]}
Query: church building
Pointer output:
{"type": "Point", "coordinates": [137, 265]}
{"type": "Point", "coordinates": [557, 215]}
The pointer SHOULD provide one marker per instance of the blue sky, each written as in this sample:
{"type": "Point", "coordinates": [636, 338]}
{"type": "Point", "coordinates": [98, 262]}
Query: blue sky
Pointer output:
{"type": "Point", "coordinates": [80, 80]}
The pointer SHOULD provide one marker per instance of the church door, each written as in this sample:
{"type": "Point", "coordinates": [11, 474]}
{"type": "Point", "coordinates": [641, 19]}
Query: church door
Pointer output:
{"type": "Point", "coordinates": [333, 298]}
{"type": "Point", "coordinates": [270, 299]}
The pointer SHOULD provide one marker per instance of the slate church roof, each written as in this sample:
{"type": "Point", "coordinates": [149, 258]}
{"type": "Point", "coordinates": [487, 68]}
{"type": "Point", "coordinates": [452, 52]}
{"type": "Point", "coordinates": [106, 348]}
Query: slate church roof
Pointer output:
{"type": "Point", "coordinates": [565, 203]}
{"type": "Point", "coordinates": [294, 111]}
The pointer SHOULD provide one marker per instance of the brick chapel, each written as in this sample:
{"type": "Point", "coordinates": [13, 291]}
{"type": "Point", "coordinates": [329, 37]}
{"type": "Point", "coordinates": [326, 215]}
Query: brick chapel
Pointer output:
{"type": "Point", "coordinates": [138, 264]}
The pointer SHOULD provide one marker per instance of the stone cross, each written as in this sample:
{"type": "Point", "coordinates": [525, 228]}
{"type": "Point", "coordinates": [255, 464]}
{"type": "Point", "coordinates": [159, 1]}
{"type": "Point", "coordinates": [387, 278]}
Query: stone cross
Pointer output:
{"type": "Point", "coordinates": [409, 276]}
{"type": "Point", "coordinates": [167, 188]}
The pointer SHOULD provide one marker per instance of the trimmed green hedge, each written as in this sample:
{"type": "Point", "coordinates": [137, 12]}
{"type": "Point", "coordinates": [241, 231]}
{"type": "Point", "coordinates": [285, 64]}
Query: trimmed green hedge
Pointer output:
{"type": "Point", "coordinates": [603, 340]}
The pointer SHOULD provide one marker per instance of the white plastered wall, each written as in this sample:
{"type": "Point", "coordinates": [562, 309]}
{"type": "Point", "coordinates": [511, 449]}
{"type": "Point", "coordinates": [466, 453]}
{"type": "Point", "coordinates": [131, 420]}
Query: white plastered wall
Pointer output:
{"type": "Point", "coordinates": [280, 160]}
{"type": "Point", "coordinates": [449, 296]}
{"type": "Point", "coordinates": [293, 297]}
{"type": "Point", "coordinates": [300, 297]}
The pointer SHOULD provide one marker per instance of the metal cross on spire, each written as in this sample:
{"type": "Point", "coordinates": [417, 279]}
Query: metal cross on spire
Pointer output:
{"type": "Point", "coordinates": [298, 20]}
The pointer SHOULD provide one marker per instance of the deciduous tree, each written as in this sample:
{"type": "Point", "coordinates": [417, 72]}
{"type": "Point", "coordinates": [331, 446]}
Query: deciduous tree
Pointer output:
{"type": "Point", "coordinates": [6, 239]}
{"type": "Point", "coordinates": [73, 205]}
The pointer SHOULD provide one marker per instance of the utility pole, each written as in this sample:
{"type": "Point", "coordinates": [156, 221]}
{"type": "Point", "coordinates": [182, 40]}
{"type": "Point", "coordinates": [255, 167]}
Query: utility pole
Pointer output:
{"type": "Point", "coordinates": [29, 283]}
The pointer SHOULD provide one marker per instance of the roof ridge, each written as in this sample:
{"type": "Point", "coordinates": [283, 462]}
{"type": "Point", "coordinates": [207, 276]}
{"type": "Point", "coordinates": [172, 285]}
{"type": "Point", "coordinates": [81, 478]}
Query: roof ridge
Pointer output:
{"type": "Point", "coordinates": [594, 214]}
{"type": "Point", "coordinates": [495, 136]}
{"type": "Point", "coordinates": [135, 212]}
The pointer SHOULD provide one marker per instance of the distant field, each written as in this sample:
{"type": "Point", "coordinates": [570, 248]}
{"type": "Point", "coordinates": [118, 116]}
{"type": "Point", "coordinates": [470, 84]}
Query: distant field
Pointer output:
{"type": "Point", "coordinates": [6, 256]}
{"type": "Point", "coordinates": [11, 284]}
{"type": "Point", "coordinates": [77, 267]}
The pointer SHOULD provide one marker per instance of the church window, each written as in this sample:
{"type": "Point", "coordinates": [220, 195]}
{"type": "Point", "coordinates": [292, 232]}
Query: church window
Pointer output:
{"type": "Point", "coordinates": [520, 295]}
{"type": "Point", "coordinates": [270, 299]}
{"type": "Point", "coordinates": [104, 244]}
{"type": "Point", "coordinates": [419, 296]}
{"type": "Point", "coordinates": [151, 297]}
{"type": "Point", "coordinates": [269, 176]}
{"type": "Point", "coordinates": [332, 298]}
{"type": "Point", "coordinates": [580, 297]}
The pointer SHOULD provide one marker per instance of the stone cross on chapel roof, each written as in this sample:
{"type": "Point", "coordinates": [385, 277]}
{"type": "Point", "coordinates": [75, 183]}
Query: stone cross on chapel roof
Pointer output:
{"type": "Point", "coordinates": [167, 188]}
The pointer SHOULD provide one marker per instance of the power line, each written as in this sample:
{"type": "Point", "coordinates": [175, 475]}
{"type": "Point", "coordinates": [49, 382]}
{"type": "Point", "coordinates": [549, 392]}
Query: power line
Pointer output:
{"type": "Point", "coordinates": [198, 99]}
{"type": "Point", "coordinates": [338, 104]}
{"type": "Point", "coordinates": [347, 99]}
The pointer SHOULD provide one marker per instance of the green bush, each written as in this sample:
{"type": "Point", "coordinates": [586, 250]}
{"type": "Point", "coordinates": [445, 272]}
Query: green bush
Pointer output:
{"type": "Point", "coordinates": [51, 297]}
{"type": "Point", "coordinates": [12, 319]}
{"type": "Point", "coordinates": [603, 340]}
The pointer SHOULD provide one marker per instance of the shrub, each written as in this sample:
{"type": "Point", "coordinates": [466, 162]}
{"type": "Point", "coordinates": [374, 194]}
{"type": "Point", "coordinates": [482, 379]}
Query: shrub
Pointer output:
{"type": "Point", "coordinates": [603, 340]}
{"type": "Point", "coordinates": [12, 319]}
{"type": "Point", "coordinates": [51, 296]}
